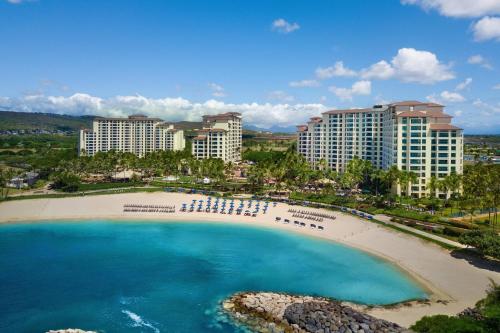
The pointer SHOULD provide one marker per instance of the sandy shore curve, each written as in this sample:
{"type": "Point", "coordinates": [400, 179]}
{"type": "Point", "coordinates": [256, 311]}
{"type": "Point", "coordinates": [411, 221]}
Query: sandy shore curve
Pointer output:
{"type": "Point", "coordinates": [453, 283]}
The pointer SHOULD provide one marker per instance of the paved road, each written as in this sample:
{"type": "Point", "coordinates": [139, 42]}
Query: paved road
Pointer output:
{"type": "Point", "coordinates": [387, 219]}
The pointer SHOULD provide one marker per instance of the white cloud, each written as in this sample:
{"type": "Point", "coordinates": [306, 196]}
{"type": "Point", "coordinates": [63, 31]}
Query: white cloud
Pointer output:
{"type": "Point", "coordinates": [410, 65]}
{"type": "Point", "coordinates": [459, 8]}
{"type": "Point", "coordinates": [458, 113]}
{"type": "Point", "coordinates": [281, 96]}
{"type": "Point", "coordinates": [265, 115]}
{"type": "Point", "coordinates": [487, 107]}
{"type": "Point", "coordinates": [304, 83]}
{"type": "Point", "coordinates": [487, 28]}
{"type": "Point", "coordinates": [217, 90]}
{"type": "Point", "coordinates": [478, 59]}
{"type": "Point", "coordinates": [382, 70]}
{"type": "Point", "coordinates": [446, 97]}
{"type": "Point", "coordinates": [463, 85]}
{"type": "Point", "coordinates": [281, 25]}
{"type": "Point", "coordinates": [452, 97]}
{"type": "Point", "coordinates": [496, 86]}
{"type": "Point", "coordinates": [358, 88]}
{"type": "Point", "coordinates": [420, 66]}
{"type": "Point", "coordinates": [336, 70]}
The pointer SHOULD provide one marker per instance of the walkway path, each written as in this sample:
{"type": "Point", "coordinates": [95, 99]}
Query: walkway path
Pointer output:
{"type": "Point", "coordinates": [387, 219]}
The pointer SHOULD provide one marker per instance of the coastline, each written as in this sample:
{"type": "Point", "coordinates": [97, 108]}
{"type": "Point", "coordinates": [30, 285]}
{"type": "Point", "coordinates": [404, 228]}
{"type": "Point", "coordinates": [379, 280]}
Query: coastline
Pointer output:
{"type": "Point", "coordinates": [453, 284]}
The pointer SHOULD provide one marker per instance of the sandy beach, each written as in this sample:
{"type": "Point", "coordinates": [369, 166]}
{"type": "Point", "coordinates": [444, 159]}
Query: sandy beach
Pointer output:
{"type": "Point", "coordinates": [453, 283]}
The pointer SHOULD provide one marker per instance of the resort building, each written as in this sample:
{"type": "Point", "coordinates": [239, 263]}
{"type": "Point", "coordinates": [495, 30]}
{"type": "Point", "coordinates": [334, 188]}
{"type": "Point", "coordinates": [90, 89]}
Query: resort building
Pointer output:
{"type": "Point", "coordinates": [411, 135]}
{"type": "Point", "coordinates": [219, 138]}
{"type": "Point", "coordinates": [136, 134]}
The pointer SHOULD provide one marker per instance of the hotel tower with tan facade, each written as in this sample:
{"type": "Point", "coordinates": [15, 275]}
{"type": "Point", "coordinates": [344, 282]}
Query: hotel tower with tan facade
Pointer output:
{"type": "Point", "coordinates": [221, 137]}
{"type": "Point", "coordinates": [136, 134]}
{"type": "Point", "coordinates": [411, 135]}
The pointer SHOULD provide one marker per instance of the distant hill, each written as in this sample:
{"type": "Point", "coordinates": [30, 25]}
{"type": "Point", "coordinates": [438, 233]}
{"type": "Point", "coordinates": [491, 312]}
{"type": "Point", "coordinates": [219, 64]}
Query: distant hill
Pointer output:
{"type": "Point", "coordinates": [33, 122]}
{"type": "Point", "coordinates": [188, 125]}
{"type": "Point", "coordinates": [15, 121]}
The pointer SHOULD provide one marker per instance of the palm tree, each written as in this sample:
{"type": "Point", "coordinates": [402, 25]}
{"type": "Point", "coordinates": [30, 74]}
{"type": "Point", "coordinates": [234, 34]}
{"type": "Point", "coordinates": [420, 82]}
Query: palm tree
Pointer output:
{"type": "Point", "coordinates": [432, 186]}
{"type": "Point", "coordinates": [392, 176]}
{"type": "Point", "coordinates": [406, 179]}
{"type": "Point", "coordinates": [6, 176]}
{"type": "Point", "coordinates": [377, 177]}
{"type": "Point", "coordinates": [454, 183]}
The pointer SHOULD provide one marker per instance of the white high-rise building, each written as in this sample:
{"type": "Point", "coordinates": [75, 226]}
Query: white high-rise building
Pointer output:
{"type": "Point", "coordinates": [219, 138]}
{"type": "Point", "coordinates": [136, 134]}
{"type": "Point", "coordinates": [412, 135]}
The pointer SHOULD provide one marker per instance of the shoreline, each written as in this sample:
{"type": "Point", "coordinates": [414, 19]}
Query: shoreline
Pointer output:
{"type": "Point", "coordinates": [428, 265]}
{"type": "Point", "coordinates": [423, 284]}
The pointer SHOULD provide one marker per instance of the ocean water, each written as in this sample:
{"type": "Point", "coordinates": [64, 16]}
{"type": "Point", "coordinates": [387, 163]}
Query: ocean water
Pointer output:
{"type": "Point", "coordinates": [170, 277]}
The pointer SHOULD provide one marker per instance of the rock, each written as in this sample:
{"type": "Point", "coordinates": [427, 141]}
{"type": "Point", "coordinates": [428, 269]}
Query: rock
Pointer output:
{"type": "Point", "coordinates": [70, 330]}
{"type": "Point", "coordinates": [274, 312]}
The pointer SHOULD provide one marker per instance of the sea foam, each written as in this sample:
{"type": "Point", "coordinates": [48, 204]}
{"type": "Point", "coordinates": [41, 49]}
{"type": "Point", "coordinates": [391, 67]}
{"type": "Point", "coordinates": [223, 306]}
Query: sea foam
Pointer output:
{"type": "Point", "coordinates": [138, 321]}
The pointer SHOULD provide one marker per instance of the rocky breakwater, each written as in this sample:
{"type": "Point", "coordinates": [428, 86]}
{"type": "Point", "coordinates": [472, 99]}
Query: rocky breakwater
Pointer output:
{"type": "Point", "coordinates": [70, 330]}
{"type": "Point", "coordinates": [274, 312]}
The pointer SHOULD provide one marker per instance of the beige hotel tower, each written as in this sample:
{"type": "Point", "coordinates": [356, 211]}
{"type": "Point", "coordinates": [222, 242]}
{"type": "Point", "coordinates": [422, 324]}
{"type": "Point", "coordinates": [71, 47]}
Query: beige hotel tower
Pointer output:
{"type": "Point", "coordinates": [219, 138]}
{"type": "Point", "coordinates": [136, 134]}
{"type": "Point", "coordinates": [411, 135]}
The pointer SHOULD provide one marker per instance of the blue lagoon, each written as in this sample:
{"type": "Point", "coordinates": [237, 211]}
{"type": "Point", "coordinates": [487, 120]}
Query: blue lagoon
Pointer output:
{"type": "Point", "coordinates": [170, 277]}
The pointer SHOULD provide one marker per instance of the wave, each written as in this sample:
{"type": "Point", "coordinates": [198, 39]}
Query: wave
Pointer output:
{"type": "Point", "coordinates": [138, 321]}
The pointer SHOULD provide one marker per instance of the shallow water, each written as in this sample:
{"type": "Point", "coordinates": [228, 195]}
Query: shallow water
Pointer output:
{"type": "Point", "coordinates": [169, 277]}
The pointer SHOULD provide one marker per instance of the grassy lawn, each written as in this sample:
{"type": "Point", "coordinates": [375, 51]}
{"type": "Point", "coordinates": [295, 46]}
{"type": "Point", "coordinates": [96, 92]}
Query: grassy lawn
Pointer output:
{"type": "Point", "coordinates": [79, 194]}
{"type": "Point", "coordinates": [103, 186]}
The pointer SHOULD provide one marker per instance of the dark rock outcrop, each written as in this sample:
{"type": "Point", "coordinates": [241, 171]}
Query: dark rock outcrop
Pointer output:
{"type": "Point", "coordinates": [273, 312]}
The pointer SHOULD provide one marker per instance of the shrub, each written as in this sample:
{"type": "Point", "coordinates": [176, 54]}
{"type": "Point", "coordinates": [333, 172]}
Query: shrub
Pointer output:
{"type": "Point", "coordinates": [488, 320]}
{"type": "Point", "coordinates": [487, 242]}
{"type": "Point", "coordinates": [462, 225]}
{"type": "Point", "coordinates": [66, 182]}
{"type": "Point", "coordinates": [446, 324]}
{"type": "Point", "coordinates": [454, 231]}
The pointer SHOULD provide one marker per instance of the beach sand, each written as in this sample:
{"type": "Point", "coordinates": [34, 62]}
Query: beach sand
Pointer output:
{"type": "Point", "coordinates": [454, 284]}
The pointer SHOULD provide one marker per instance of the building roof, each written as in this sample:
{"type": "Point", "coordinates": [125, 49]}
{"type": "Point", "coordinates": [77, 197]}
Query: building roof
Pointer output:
{"type": "Point", "coordinates": [412, 114]}
{"type": "Point", "coordinates": [129, 118]}
{"type": "Point", "coordinates": [200, 137]}
{"type": "Point", "coordinates": [349, 111]}
{"type": "Point", "coordinates": [206, 130]}
{"type": "Point", "coordinates": [315, 120]}
{"type": "Point", "coordinates": [413, 103]}
{"type": "Point", "coordinates": [222, 116]}
{"type": "Point", "coordinates": [437, 114]}
{"type": "Point", "coordinates": [302, 128]}
{"type": "Point", "coordinates": [443, 127]}
{"type": "Point", "coordinates": [424, 113]}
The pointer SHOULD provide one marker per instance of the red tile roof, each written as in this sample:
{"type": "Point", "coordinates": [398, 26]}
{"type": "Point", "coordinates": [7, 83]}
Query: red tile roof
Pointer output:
{"type": "Point", "coordinates": [348, 111]}
{"type": "Point", "coordinates": [424, 113]}
{"type": "Point", "coordinates": [302, 128]}
{"type": "Point", "coordinates": [437, 114]}
{"type": "Point", "coordinates": [206, 130]}
{"type": "Point", "coordinates": [412, 114]}
{"type": "Point", "coordinates": [316, 120]}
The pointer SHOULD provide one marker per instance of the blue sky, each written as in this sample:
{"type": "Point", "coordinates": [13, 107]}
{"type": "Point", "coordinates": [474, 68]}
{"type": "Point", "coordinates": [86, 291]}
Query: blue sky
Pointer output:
{"type": "Point", "coordinates": [277, 62]}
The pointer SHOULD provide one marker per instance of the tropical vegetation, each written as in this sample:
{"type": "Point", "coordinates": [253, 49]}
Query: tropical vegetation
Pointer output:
{"type": "Point", "coordinates": [484, 318]}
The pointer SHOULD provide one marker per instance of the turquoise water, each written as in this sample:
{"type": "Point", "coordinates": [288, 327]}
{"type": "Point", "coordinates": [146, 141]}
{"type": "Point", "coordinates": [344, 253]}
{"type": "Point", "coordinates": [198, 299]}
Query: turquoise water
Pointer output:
{"type": "Point", "coordinates": [154, 277]}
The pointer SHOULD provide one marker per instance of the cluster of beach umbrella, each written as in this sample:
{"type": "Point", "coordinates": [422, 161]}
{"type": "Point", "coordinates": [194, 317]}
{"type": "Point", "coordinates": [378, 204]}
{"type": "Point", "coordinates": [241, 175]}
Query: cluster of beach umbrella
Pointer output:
{"type": "Point", "coordinates": [227, 206]}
